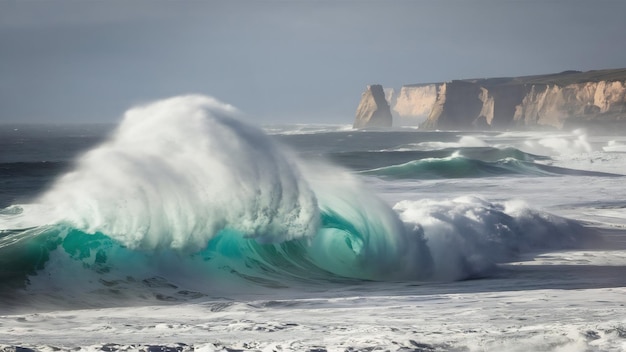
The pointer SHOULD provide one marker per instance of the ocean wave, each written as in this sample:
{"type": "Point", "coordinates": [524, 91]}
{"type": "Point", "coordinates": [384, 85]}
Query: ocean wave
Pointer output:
{"type": "Point", "coordinates": [183, 200]}
{"type": "Point", "coordinates": [457, 166]}
{"type": "Point", "coordinates": [367, 160]}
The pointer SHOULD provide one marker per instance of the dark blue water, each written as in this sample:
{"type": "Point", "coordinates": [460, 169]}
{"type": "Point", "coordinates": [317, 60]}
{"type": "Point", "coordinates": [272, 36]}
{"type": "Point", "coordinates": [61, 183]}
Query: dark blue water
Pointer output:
{"type": "Point", "coordinates": [31, 156]}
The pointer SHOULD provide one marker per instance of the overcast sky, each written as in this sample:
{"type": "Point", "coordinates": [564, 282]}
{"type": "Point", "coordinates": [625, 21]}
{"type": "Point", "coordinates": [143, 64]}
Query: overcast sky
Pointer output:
{"type": "Point", "coordinates": [281, 61]}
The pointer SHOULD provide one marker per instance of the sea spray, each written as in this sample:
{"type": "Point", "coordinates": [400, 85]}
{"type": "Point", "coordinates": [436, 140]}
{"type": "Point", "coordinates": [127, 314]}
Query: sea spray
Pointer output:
{"type": "Point", "coordinates": [178, 171]}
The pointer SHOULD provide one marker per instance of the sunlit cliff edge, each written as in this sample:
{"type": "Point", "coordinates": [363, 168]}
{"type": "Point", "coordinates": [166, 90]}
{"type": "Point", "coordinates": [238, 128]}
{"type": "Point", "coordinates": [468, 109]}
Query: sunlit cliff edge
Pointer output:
{"type": "Point", "coordinates": [566, 99]}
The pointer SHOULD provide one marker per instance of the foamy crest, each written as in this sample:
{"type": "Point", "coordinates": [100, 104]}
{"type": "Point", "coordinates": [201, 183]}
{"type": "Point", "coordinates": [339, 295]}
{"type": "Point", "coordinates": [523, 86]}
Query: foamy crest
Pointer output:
{"type": "Point", "coordinates": [466, 236]}
{"type": "Point", "coordinates": [178, 171]}
{"type": "Point", "coordinates": [574, 143]}
{"type": "Point", "coordinates": [615, 146]}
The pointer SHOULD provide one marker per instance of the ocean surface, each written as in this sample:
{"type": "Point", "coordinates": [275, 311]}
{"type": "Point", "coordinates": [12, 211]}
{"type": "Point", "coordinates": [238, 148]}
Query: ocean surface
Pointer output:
{"type": "Point", "coordinates": [185, 228]}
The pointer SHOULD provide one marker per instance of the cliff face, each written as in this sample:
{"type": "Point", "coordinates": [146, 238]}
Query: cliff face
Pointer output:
{"type": "Point", "coordinates": [574, 103]}
{"type": "Point", "coordinates": [411, 105]}
{"type": "Point", "coordinates": [373, 110]}
{"type": "Point", "coordinates": [456, 101]}
{"type": "Point", "coordinates": [557, 100]}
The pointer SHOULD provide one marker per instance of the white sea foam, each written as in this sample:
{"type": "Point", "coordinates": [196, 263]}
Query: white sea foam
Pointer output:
{"type": "Point", "coordinates": [505, 319]}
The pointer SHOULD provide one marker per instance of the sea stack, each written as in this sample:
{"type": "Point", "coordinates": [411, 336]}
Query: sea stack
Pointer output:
{"type": "Point", "coordinates": [373, 110]}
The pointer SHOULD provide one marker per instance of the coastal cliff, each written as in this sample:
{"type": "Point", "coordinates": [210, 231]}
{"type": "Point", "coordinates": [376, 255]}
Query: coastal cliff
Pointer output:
{"type": "Point", "coordinates": [579, 103]}
{"type": "Point", "coordinates": [373, 110]}
{"type": "Point", "coordinates": [569, 98]}
{"type": "Point", "coordinates": [411, 105]}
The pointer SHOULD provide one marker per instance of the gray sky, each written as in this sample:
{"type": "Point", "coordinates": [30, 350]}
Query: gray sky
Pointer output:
{"type": "Point", "coordinates": [281, 61]}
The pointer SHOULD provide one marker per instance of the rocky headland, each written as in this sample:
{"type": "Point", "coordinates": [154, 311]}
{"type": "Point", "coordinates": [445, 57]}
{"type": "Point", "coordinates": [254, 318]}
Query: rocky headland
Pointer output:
{"type": "Point", "coordinates": [567, 99]}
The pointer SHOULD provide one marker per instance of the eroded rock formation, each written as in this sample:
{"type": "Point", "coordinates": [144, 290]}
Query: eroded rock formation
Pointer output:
{"type": "Point", "coordinates": [373, 110]}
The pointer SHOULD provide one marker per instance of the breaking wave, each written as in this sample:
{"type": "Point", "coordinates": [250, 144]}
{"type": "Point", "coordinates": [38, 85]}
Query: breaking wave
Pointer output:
{"type": "Point", "coordinates": [184, 200]}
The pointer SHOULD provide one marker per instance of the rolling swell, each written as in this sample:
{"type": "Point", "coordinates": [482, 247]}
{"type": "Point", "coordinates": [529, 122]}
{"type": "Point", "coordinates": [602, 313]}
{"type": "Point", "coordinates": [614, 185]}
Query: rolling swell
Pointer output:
{"type": "Point", "coordinates": [457, 166]}
{"type": "Point", "coordinates": [367, 160]}
{"type": "Point", "coordinates": [183, 201]}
